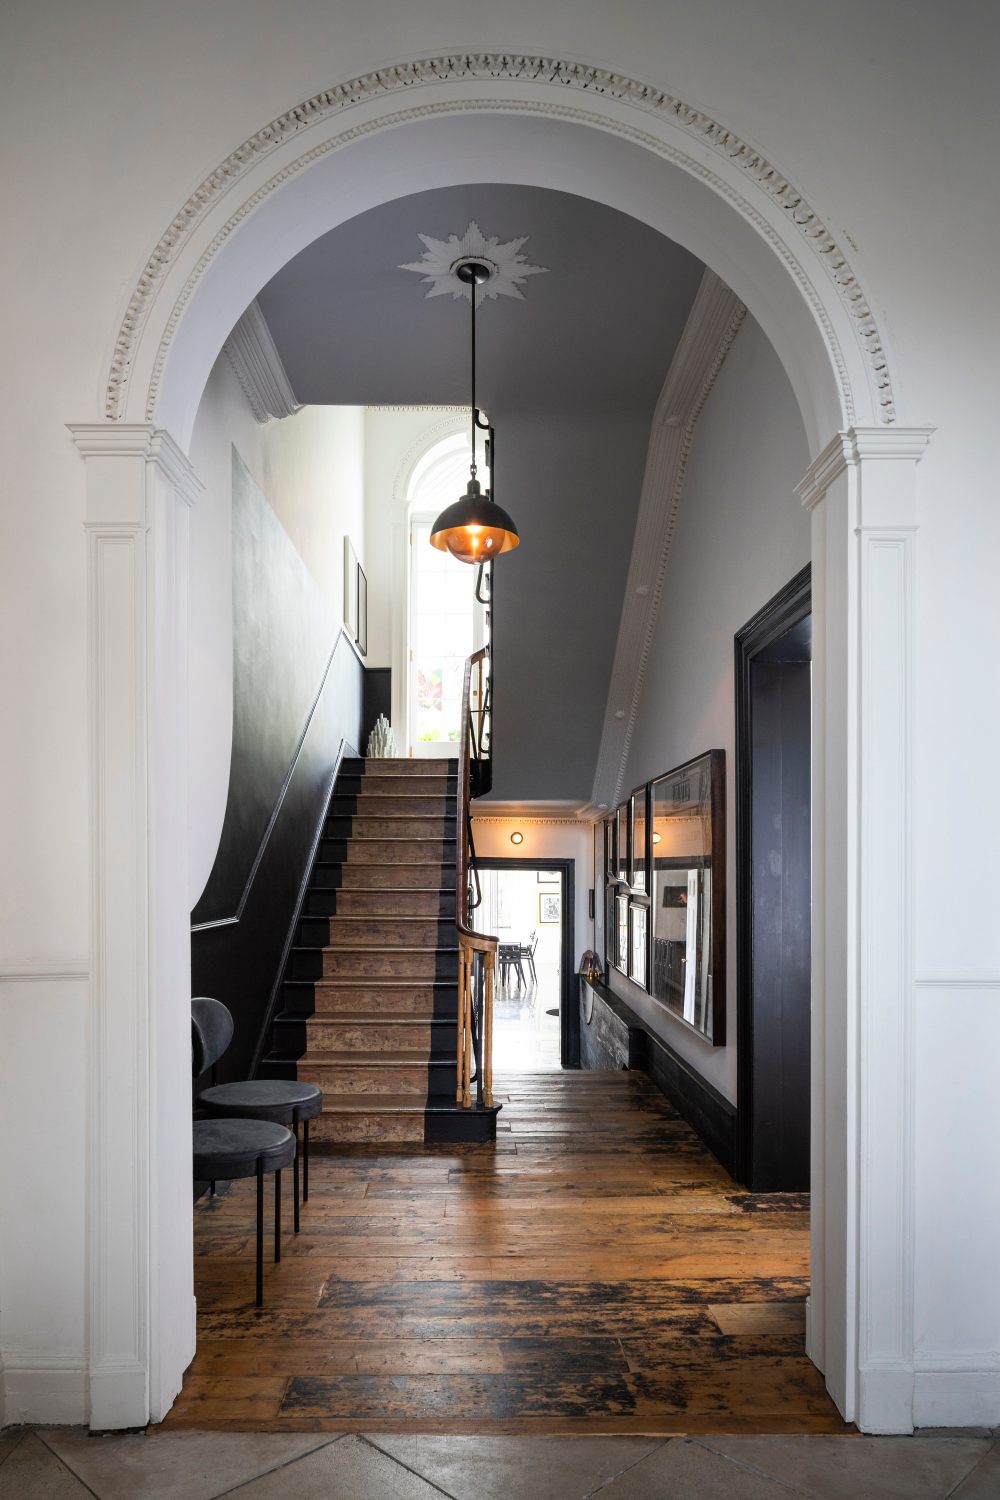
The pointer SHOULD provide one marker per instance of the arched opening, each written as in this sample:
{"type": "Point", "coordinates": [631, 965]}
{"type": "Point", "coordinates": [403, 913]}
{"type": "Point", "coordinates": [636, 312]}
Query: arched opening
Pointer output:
{"type": "Point", "coordinates": [701, 197]}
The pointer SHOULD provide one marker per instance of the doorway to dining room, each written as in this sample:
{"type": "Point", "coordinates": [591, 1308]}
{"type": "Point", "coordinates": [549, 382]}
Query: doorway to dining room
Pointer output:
{"type": "Point", "coordinates": [527, 906]}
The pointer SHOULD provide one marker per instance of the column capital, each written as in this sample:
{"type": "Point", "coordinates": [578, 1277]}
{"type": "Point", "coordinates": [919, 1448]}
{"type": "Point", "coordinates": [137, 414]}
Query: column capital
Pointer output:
{"type": "Point", "coordinates": [139, 440]}
{"type": "Point", "coordinates": [856, 445]}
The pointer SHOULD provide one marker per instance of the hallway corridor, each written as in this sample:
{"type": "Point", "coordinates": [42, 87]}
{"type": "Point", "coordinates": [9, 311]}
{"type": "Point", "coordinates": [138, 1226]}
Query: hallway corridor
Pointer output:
{"type": "Point", "coordinates": [594, 1271]}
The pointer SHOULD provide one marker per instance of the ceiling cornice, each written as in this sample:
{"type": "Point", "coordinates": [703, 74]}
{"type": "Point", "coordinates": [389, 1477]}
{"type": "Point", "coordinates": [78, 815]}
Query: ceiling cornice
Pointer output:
{"type": "Point", "coordinates": [257, 365]}
{"type": "Point", "coordinates": [713, 323]}
{"type": "Point", "coordinates": [549, 811]}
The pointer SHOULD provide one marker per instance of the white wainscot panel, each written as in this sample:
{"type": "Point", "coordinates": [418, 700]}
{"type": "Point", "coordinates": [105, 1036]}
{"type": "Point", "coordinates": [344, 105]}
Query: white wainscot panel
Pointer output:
{"type": "Point", "coordinates": [957, 1109]}
{"type": "Point", "coordinates": [43, 1066]}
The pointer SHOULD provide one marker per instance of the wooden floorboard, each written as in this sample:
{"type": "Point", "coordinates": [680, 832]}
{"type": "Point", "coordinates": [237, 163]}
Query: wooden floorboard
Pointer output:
{"type": "Point", "coordinates": [595, 1270]}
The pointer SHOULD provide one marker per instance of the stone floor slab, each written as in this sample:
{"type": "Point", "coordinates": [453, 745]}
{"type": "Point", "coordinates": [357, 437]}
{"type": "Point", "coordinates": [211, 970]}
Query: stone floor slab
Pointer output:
{"type": "Point", "coordinates": [9, 1441]}
{"type": "Point", "coordinates": [176, 1465]}
{"type": "Point", "coordinates": [532, 1468]}
{"type": "Point", "coordinates": [984, 1481]}
{"type": "Point", "coordinates": [880, 1468]}
{"type": "Point", "coordinates": [683, 1470]}
{"type": "Point", "coordinates": [32, 1471]}
{"type": "Point", "coordinates": [350, 1468]}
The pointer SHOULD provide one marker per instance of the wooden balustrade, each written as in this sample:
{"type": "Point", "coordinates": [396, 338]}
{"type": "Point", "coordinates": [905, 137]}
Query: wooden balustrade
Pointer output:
{"type": "Point", "coordinates": [477, 951]}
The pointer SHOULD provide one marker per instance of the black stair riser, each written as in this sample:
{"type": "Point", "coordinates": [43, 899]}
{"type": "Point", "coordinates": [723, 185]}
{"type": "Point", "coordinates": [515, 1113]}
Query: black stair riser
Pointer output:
{"type": "Point", "coordinates": [313, 932]}
{"type": "Point", "coordinates": [305, 963]}
{"type": "Point", "coordinates": [289, 1038]}
{"type": "Point", "coordinates": [298, 998]}
{"type": "Point", "coordinates": [346, 801]}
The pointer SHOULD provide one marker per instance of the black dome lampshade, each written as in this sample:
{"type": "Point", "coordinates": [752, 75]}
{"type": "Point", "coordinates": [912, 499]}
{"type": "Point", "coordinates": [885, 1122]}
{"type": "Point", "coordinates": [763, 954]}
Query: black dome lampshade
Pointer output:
{"type": "Point", "coordinates": [474, 529]}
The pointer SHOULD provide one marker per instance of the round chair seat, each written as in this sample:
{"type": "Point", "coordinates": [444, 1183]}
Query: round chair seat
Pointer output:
{"type": "Point", "coordinates": [227, 1149]}
{"type": "Point", "coordinates": [283, 1100]}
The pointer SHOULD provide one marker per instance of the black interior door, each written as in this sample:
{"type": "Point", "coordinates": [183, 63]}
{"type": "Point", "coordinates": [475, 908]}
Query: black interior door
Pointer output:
{"type": "Point", "coordinates": [773, 874]}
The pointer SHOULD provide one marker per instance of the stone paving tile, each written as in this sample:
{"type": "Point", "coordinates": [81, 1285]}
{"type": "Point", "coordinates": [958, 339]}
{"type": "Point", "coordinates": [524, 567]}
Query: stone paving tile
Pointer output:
{"type": "Point", "coordinates": [9, 1441]}
{"type": "Point", "coordinates": [530, 1468]}
{"type": "Point", "coordinates": [984, 1481]}
{"type": "Point", "coordinates": [175, 1465]}
{"type": "Point", "coordinates": [31, 1472]}
{"type": "Point", "coordinates": [349, 1469]}
{"type": "Point", "coordinates": [878, 1468]}
{"type": "Point", "coordinates": [683, 1470]}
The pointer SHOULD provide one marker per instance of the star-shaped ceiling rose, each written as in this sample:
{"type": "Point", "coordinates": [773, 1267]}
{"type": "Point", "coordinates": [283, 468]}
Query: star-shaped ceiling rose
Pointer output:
{"type": "Point", "coordinates": [508, 266]}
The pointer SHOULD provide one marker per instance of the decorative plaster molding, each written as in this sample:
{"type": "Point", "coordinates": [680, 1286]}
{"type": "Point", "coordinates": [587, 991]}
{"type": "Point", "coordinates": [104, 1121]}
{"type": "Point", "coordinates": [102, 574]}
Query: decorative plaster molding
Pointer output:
{"type": "Point", "coordinates": [139, 440]}
{"type": "Point", "coordinates": [29, 970]}
{"type": "Point", "coordinates": [847, 449]}
{"type": "Point", "coordinates": [256, 363]}
{"type": "Point", "coordinates": [440, 259]}
{"type": "Point", "coordinates": [549, 73]}
{"type": "Point", "coordinates": [558, 811]}
{"type": "Point", "coordinates": [714, 320]}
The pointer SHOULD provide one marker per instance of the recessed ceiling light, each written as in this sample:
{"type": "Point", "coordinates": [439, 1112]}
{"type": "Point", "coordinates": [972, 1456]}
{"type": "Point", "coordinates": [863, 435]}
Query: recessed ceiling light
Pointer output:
{"type": "Point", "coordinates": [517, 837]}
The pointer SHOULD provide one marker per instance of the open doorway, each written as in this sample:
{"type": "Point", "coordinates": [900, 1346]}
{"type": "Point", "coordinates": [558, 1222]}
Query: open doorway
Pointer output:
{"type": "Point", "coordinates": [529, 906]}
{"type": "Point", "coordinates": [773, 854]}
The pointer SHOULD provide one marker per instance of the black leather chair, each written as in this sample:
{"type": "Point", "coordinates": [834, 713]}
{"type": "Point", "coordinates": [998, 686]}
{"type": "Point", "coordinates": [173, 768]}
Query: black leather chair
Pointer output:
{"type": "Point", "coordinates": [282, 1101]}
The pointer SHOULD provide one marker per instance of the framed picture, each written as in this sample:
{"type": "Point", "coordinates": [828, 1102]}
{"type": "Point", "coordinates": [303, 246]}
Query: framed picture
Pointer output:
{"type": "Point", "coordinates": [549, 907]}
{"type": "Point", "coordinates": [350, 589]}
{"type": "Point", "coordinates": [361, 635]}
{"type": "Point", "coordinates": [548, 877]}
{"type": "Point", "coordinates": [355, 598]}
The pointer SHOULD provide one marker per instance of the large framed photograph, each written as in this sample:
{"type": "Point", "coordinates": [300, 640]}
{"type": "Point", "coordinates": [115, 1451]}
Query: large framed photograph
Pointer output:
{"type": "Point", "coordinates": [549, 908]}
{"type": "Point", "coordinates": [688, 912]}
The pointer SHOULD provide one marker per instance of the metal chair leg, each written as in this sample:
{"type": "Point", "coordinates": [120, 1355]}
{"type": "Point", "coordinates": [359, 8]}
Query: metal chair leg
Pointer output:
{"type": "Point", "coordinates": [260, 1233]}
{"type": "Point", "coordinates": [305, 1161]}
{"type": "Point", "coordinates": [277, 1216]}
{"type": "Point", "coordinates": [295, 1170]}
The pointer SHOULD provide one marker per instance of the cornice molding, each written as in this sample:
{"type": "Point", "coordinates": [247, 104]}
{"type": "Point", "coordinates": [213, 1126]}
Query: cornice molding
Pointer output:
{"type": "Point", "coordinates": [715, 318]}
{"type": "Point", "coordinates": [859, 444]}
{"type": "Point", "coordinates": [550, 811]}
{"type": "Point", "coordinates": [551, 74]}
{"type": "Point", "coordinates": [139, 440]}
{"type": "Point", "coordinates": [256, 363]}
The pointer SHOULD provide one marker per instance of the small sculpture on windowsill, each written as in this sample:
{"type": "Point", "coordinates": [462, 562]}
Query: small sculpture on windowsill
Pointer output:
{"type": "Point", "coordinates": [381, 741]}
{"type": "Point", "coordinates": [590, 966]}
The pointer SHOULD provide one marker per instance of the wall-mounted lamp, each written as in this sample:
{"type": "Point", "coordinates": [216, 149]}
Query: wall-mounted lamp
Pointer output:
{"type": "Point", "coordinates": [517, 838]}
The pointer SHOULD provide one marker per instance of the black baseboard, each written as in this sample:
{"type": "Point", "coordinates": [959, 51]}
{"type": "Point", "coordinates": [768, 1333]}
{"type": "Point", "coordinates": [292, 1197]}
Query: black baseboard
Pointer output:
{"type": "Point", "coordinates": [711, 1116]}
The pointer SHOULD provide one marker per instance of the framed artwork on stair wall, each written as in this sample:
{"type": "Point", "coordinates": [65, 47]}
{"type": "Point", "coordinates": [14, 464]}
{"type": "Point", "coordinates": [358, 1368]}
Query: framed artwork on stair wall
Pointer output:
{"type": "Point", "coordinates": [355, 598]}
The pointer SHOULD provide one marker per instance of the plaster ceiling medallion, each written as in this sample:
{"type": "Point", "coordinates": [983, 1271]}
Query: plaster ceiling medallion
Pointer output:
{"type": "Point", "coordinates": [441, 259]}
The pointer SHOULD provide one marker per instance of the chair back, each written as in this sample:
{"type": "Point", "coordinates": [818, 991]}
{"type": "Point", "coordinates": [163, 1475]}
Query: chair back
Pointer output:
{"type": "Point", "coordinates": [533, 943]}
{"type": "Point", "coordinates": [211, 1032]}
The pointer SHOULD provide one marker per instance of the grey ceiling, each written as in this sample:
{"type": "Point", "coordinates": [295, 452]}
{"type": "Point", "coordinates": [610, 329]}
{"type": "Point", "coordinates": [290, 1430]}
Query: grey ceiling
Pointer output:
{"type": "Point", "coordinates": [569, 377]}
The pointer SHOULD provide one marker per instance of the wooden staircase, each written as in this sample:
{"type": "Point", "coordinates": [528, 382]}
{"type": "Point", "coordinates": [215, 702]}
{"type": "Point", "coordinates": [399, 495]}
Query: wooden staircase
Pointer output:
{"type": "Point", "coordinates": [370, 991]}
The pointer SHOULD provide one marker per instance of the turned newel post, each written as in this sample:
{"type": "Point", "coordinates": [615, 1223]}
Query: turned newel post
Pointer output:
{"type": "Point", "coordinates": [139, 488]}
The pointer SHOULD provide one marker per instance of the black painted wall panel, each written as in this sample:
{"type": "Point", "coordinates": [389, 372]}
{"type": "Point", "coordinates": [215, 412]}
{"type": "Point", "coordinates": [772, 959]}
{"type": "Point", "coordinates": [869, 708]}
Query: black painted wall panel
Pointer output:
{"type": "Point", "coordinates": [298, 688]}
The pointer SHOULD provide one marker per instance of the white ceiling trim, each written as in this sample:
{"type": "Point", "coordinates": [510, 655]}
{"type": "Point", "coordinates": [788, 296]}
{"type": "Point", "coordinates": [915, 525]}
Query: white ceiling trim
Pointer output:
{"type": "Point", "coordinates": [257, 365]}
{"type": "Point", "coordinates": [713, 323]}
{"type": "Point", "coordinates": [551, 811]}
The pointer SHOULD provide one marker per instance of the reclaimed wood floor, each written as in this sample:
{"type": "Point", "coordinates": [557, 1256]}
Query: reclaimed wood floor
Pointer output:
{"type": "Point", "coordinates": [594, 1271]}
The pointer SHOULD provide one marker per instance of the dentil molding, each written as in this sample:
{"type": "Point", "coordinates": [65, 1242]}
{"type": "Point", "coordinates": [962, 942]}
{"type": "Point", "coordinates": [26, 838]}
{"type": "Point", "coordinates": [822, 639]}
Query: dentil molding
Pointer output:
{"type": "Point", "coordinates": [257, 365]}
{"type": "Point", "coordinates": [548, 73]}
{"type": "Point", "coordinates": [714, 320]}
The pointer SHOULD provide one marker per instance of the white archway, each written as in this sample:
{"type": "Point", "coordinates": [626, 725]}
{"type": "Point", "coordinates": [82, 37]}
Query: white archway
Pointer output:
{"type": "Point", "coordinates": [552, 125]}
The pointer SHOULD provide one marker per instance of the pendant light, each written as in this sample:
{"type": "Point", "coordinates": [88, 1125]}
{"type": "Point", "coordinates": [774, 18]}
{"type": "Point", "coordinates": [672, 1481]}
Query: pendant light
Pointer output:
{"type": "Point", "coordinates": [474, 529]}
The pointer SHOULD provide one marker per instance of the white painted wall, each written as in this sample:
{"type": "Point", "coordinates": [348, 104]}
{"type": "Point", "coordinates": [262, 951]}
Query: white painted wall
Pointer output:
{"type": "Point", "coordinates": [310, 466]}
{"type": "Point", "coordinates": [741, 534]}
{"type": "Point", "coordinates": [547, 838]}
{"type": "Point", "coordinates": [885, 115]}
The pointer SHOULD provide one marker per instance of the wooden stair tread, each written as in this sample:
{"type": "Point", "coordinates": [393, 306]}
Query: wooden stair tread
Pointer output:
{"type": "Point", "coordinates": [367, 981]}
{"type": "Point", "coordinates": [401, 1058]}
{"type": "Point", "coordinates": [386, 1104]}
{"type": "Point", "coordinates": [378, 1018]}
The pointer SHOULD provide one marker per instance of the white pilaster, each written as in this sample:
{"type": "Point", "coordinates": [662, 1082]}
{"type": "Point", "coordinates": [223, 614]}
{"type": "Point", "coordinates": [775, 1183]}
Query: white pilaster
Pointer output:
{"type": "Point", "coordinates": [139, 486]}
{"type": "Point", "coordinates": [862, 494]}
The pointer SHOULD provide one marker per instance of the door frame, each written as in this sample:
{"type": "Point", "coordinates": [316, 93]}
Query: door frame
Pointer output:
{"type": "Point", "coordinates": [788, 607]}
{"type": "Point", "coordinates": [569, 1011]}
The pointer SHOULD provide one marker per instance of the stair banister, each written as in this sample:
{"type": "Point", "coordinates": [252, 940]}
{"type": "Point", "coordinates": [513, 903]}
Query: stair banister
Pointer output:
{"type": "Point", "coordinates": [477, 951]}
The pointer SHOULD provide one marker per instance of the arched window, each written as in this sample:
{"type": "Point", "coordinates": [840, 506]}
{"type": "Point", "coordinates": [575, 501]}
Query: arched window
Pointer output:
{"type": "Point", "coordinates": [446, 623]}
